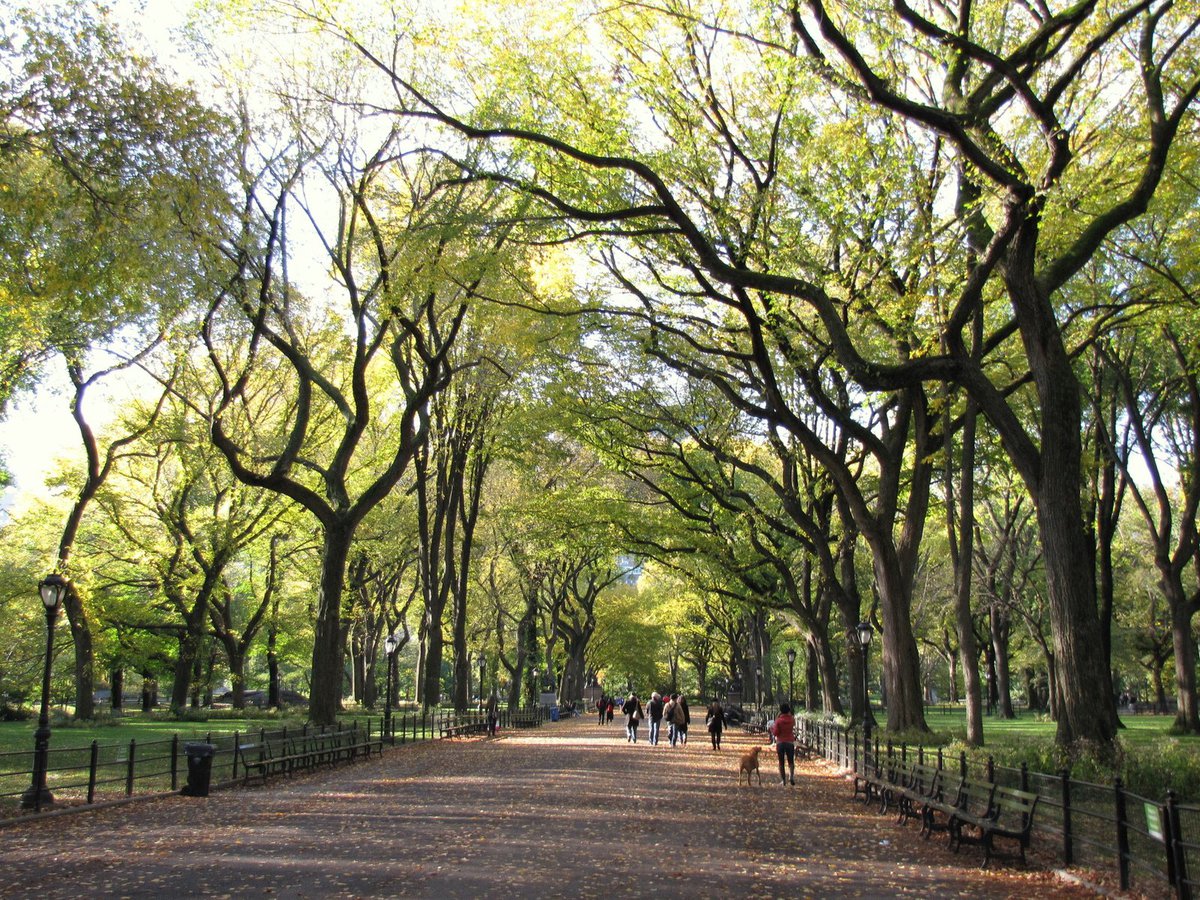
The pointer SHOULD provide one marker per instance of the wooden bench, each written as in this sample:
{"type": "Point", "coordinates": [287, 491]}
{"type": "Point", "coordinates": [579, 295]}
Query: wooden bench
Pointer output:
{"type": "Point", "coordinates": [284, 755]}
{"type": "Point", "coordinates": [875, 779]}
{"type": "Point", "coordinates": [463, 729]}
{"type": "Point", "coordinates": [754, 727]}
{"type": "Point", "coordinates": [962, 798]}
{"type": "Point", "coordinates": [267, 757]}
{"type": "Point", "coordinates": [920, 784]}
{"type": "Point", "coordinates": [1009, 815]}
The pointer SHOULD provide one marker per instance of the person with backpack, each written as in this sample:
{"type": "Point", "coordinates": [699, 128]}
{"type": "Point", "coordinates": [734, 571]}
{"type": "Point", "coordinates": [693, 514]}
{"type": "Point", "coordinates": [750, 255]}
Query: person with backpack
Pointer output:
{"type": "Point", "coordinates": [654, 712]}
{"type": "Point", "coordinates": [678, 718]}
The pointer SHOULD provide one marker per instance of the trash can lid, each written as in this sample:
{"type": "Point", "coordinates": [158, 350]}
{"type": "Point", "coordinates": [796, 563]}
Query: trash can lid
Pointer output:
{"type": "Point", "coordinates": [199, 748]}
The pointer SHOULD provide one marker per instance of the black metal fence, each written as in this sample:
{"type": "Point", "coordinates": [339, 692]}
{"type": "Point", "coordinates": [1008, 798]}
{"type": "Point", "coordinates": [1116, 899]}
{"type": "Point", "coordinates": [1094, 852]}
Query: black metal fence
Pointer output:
{"type": "Point", "coordinates": [1153, 845]}
{"type": "Point", "coordinates": [96, 772]}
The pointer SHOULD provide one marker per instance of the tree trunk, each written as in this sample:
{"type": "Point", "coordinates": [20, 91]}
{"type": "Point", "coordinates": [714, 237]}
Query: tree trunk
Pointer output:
{"type": "Point", "coordinates": [325, 698]}
{"type": "Point", "coordinates": [274, 692]}
{"type": "Point", "coordinates": [1053, 473]}
{"type": "Point", "coordinates": [901, 661]}
{"type": "Point", "coordinates": [118, 689]}
{"type": "Point", "coordinates": [185, 664]}
{"type": "Point", "coordinates": [149, 692]}
{"type": "Point", "coordinates": [85, 658]}
{"type": "Point", "coordinates": [1184, 645]}
{"type": "Point", "coordinates": [962, 538]}
{"type": "Point", "coordinates": [999, 632]}
{"type": "Point", "coordinates": [814, 693]}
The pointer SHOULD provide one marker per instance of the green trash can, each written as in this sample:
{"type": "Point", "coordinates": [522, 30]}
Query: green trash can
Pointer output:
{"type": "Point", "coordinates": [199, 777]}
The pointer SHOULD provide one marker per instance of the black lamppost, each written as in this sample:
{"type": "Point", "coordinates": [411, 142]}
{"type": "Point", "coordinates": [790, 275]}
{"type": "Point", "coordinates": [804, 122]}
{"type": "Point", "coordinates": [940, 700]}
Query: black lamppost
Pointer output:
{"type": "Point", "coordinates": [482, 667]}
{"type": "Point", "coordinates": [791, 656]}
{"type": "Point", "coordinates": [758, 685]}
{"type": "Point", "coordinates": [390, 644]}
{"type": "Point", "coordinates": [52, 589]}
{"type": "Point", "coordinates": [864, 642]}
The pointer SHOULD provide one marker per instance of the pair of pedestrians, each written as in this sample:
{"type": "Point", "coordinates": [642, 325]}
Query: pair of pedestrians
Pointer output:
{"type": "Point", "coordinates": [678, 718]}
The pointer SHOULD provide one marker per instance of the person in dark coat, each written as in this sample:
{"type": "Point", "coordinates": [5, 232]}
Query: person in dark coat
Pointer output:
{"type": "Point", "coordinates": [633, 717]}
{"type": "Point", "coordinates": [654, 711]}
{"type": "Point", "coordinates": [716, 723]}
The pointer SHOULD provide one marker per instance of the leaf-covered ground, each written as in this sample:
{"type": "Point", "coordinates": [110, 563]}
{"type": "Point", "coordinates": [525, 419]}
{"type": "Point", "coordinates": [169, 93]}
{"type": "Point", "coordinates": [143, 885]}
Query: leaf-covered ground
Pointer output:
{"type": "Point", "coordinates": [568, 810]}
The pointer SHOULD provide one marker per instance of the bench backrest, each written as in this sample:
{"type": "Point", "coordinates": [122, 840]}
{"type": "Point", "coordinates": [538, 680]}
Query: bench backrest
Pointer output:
{"type": "Point", "coordinates": [975, 798]}
{"type": "Point", "coordinates": [924, 779]}
{"type": "Point", "coordinates": [1014, 808]}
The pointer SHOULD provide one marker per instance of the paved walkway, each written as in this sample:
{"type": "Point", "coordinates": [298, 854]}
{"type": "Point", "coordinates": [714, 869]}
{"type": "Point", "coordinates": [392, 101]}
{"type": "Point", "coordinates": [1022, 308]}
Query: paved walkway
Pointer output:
{"type": "Point", "coordinates": [568, 810]}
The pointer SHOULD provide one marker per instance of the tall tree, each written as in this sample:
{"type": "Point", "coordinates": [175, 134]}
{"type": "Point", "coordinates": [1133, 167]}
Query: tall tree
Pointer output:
{"type": "Point", "coordinates": [109, 173]}
{"type": "Point", "coordinates": [1003, 128]}
{"type": "Point", "coordinates": [407, 253]}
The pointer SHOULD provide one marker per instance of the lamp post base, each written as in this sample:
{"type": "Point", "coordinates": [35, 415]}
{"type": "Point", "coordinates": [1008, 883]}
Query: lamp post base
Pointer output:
{"type": "Point", "coordinates": [36, 798]}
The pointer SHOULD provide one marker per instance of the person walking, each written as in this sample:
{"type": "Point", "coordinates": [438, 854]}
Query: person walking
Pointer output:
{"type": "Point", "coordinates": [654, 714]}
{"type": "Point", "coordinates": [785, 741]}
{"type": "Point", "coordinates": [608, 710]}
{"type": "Point", "coordinates": [678, 718]}
{"type": "Point", "coordinates": [493, 714]}
{"type": "Point", "coordinates": [687, 720]}
{"type": "Point", "coordinates": [633, 717]}
{"type": "Point", "coordinates": [602, 708]}
{"type": "Point", "coordinates": [716, 723]}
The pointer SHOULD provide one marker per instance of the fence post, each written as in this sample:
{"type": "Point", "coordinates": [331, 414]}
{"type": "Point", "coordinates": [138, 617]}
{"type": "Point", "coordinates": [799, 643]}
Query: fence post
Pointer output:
{"type": "Point", "coordinates": [92, 765]}
{"type": "Point", "coordinates": [991, 769]}
{"type": "Point", "coordinates": [1122, 832]}
{"type": "Point", "coordinates": [1068, 845]}
{"type": "Point", "coordinates": [962, 764]}
{"type": "Point", "coordinates": [237, 742]}
{"type": "Point", "coordinates": [1024, 776]}
{"type": "Point", "coordinates": [941, 759]}
{"type": "Point", "coordinates": [174, 763]}
{"type": "Point", "coordinates": [129, 771]}
{"type": "Point", "coordinates": [1173, 839]}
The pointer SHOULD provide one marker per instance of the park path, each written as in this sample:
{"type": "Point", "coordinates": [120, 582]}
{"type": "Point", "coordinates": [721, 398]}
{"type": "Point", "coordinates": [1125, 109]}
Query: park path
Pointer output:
{"type": "Point", "coordinates": [567, 810]}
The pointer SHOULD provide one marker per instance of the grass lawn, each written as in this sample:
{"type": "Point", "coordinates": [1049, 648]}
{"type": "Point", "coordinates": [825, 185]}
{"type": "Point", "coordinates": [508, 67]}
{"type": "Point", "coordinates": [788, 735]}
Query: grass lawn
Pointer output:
{"type": "Point", "coordinates": [1139, 731]}
{"type": "Point", "coordinates": [18, 736]}
{"type": "Point", "coordinates": [1152, 760]}
{"type": "Point", "coordinates": [134, 745]}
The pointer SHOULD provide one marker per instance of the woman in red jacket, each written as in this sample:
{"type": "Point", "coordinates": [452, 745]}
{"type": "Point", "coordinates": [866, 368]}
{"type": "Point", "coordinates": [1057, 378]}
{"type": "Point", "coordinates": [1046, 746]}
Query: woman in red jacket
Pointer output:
{"type": "Point", "coordinates": [785, 741]}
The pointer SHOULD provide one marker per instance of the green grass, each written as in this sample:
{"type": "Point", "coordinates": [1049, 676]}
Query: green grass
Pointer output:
{"type": "Point", "coordinates": [1150, 760]}
{"type": "Point", "coordinates": [70, 750]}
{"type": "Point", "coordinates": [18, 736]}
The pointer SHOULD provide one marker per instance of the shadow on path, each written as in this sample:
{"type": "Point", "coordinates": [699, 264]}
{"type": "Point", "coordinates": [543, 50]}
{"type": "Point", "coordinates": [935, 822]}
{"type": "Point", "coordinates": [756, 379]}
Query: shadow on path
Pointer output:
{"type": "Point", "coordinates": [568, 810]}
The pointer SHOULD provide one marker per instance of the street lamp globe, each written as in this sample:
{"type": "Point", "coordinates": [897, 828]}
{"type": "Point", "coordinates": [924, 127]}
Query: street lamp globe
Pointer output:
{"type": "Point", "coordinates": [864, 634]}
{"type": "Point", "coordinates": [53, 588]}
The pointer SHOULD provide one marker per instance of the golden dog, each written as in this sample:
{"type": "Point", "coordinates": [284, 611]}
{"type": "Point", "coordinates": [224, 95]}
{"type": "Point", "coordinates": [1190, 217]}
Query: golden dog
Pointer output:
{"type": "Point", "coordinates": [750, 764]}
